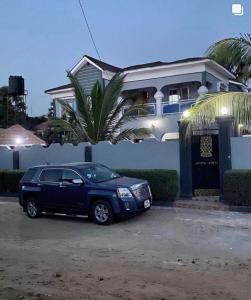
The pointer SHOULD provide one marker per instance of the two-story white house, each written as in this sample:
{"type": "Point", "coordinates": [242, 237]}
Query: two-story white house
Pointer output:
{"type": "Point", "coordinates": [168, 88]}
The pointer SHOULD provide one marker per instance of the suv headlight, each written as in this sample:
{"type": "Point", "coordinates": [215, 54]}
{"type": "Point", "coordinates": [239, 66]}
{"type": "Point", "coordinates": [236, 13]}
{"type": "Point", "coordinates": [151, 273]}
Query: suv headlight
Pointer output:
{"type": "Point", "coordinates": [124, 193]}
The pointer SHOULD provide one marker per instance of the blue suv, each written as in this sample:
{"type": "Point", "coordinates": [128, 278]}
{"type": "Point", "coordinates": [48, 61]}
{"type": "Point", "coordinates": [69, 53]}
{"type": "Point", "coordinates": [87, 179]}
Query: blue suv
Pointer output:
{"type": "Point", "coordinates": [82, 189]}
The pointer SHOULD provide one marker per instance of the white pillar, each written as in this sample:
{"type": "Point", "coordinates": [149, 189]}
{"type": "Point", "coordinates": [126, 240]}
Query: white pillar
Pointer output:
{"type": "Point", "coordinates": [202, 90]}
{"type": "Point", "coordinates": [159, 96]}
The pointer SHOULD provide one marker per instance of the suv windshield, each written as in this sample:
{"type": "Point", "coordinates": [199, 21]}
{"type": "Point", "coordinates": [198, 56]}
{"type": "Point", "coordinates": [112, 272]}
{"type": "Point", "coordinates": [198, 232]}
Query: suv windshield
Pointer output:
{"type": "Point", "coordinates": [99, 173]}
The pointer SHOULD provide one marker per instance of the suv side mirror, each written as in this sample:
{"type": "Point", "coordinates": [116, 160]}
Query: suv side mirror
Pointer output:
{"type": "Point", "coordinates": [77, 181]}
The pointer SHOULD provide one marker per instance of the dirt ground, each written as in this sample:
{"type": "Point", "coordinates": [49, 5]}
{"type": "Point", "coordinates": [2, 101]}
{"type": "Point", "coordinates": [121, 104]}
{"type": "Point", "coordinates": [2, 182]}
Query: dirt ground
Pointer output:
{"type": "Point", "coordinates": [162, 254]}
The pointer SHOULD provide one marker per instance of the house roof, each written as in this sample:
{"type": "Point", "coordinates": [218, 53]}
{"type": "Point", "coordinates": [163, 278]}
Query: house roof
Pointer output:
{"type": "Point", "coordinates": [161, 63]}
{"type": "Point", "coordinates": [107, 67]}
{"type": "Point", "coordinates": [9, 136]}
{"type": "Point", "coordinates": [61, 87]}
{"type": "Point", "coordinates": [42, 126]}
{"type": "Point", "coordinates": [104, 66]}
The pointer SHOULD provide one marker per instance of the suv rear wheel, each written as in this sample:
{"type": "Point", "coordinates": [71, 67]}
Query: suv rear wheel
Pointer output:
{"type": "Point", "coordinates": [32, 208]}
{"type": "Point", "coordinates": [102, 212]}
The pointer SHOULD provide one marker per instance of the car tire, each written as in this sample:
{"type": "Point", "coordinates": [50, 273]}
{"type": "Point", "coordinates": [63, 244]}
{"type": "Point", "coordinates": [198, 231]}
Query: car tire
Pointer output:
{"type": "Point", "coordinates": [32, 208]}
{"type": "Point", "coordinates": [102, 213]}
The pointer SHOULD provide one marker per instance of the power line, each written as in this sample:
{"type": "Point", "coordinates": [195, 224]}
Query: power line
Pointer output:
{"type": "Point", "coordinates": [89, 29]}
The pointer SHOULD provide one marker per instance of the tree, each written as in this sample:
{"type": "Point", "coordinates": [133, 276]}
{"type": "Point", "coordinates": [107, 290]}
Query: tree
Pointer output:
{"type": "Point", "coordinates": [234, 54]}
{"type": "Point", "coordinates": [209, 106]}
{"type": "Point", "coordinates": [12, 111]}
{"type": "Point", "coordinates": [98, 116]}
{"type": "Point", "coordinates": [7, 111]}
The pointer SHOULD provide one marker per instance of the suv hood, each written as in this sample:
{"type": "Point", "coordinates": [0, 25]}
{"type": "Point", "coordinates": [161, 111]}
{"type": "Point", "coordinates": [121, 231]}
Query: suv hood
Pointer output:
{"type": "Point", "coordinates": [122, 182]}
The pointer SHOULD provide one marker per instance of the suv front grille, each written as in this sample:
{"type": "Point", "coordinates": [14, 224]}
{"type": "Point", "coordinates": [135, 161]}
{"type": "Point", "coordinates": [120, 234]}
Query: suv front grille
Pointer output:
{"type": "Point", "coordinates": [142, 192]}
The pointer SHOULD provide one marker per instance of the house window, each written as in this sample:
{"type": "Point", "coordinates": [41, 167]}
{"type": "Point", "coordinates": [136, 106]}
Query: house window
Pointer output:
{"type": "Point", "coordinates": [178, 94]}
{"type": "Point", "coordinates": [184, 93]}
{"type": "Point", "coordinates": [174, 96]}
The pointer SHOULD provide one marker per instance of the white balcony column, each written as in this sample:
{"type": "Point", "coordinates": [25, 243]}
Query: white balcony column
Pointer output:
{"type": "Point", "coordinates": [202, 90]}
{"type": "Point", "coordinates": [159, 96]}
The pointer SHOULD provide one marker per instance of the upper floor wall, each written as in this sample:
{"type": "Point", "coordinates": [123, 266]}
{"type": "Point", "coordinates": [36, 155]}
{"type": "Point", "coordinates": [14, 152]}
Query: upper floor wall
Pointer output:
{"type": "Point", "coordinates": [87, 77]}
{"type": "Point", "coordinates": [184, 77]}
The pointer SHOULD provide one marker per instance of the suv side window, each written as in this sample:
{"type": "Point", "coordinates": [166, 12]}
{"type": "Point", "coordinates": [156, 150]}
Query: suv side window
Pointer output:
{"type": "Point", "coordinates": [51, 175]}
{"type": "Point", "coordinates": [29, 175]}
{"type": "Point", "coordinates": [69, 175]}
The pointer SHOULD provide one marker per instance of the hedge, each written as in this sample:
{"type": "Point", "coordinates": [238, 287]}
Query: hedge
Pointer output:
{"type": "Point", "coordinates": [237, 187]}
{"type": "Point", "coordinates": [163, 183]}
{"type": "Point", "coordinates": [9, 180]}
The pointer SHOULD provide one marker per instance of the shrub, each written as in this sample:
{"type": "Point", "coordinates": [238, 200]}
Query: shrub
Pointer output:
{"type": "Point", "coordinates": [9, 180]}
{"type": "Point", "coordinates": [163, 183]}
{"type": "Point", "coordinates": [2, 187]}
{"type": "Point", "coordinates": [237, 187]}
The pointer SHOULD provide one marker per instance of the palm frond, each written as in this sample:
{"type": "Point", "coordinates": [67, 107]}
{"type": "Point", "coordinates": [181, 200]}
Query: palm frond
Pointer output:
{"type": "Point", "coordinates": [111, 93]}
{"type": "Point", "coordinates": [126, 117]}
{"type": "Point", "coordinates": [234, 54]}
{"type": "Point", "coordinates": [98, 116]}
{"type": "Point", "coordinates": [74, 122]}
{"type": "Point", "coordinates": [60, 125]}
{"type": "Point", "coordinates": [131, 134]}
{"type": "Point", "coordinates": [83, 105]}
{"type": "Point", "coordinates": [208, 107]}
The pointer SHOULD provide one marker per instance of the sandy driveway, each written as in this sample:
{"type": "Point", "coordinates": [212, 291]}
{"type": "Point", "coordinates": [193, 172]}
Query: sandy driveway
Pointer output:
{"type": "Point", "coordinates": [162, 254]}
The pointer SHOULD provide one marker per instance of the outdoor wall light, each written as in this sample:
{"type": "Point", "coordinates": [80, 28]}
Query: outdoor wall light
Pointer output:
{"type": "Point", "coordinates": [154, 123]}
{"type": "Point", "coordinates": [224, 111]}
{"type": "Point", "coordinates": [186, 113]}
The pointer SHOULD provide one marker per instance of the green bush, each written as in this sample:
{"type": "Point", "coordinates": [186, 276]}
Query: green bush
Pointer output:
{"type": "Point", "coordinates": [2, 187]}
{"type": "Point", "coordinates": [9, 180]}
{"type": "Point", "coordinates": [163, 183]}
{"type": "Point", "coordinates": [237, 187]}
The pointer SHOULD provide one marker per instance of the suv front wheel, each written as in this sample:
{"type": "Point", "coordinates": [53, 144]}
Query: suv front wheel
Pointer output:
{"type": "Point", "coordinates": [32, 208]}
{"type": "Point", "coordinates": [102, 212]}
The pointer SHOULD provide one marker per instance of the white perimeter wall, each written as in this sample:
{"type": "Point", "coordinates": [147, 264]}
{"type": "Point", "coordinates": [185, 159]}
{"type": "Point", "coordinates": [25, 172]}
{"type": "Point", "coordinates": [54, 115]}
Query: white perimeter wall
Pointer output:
{"type": "Point", "coordinates": [149, 154]}
{"type": "Point", "coordinates": [6, 159]}
{"type": "Point", "coordinates": [241, 152]}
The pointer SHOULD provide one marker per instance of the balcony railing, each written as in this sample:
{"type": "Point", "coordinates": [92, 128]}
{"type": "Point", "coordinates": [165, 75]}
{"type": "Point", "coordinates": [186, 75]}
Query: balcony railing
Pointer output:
{"type": "Point", "coordinates": [166, 108]}
{"type": "Point", "coordinates": [179, 107]}
{"type": "Point", "coordinates": [151, 110]}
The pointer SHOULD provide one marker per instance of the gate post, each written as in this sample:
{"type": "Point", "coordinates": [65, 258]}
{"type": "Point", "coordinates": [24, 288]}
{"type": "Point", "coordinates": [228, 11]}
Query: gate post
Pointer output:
{"type": "Point", "coordinates": [15, 160]}
{"type": "Point", "coordinates": [226, 131]}
{"type": "Point", "coordinates": [88, 153]}
{"type": "Point", "coordinates": [185, 161]}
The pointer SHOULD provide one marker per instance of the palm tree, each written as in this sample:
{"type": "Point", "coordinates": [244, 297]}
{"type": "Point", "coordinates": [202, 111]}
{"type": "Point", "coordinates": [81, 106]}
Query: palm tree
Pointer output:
{"type": "Point", "coordinates": [98, 116]}
{"type": "Point", "coordinates": [209, 106]}
{"type": "Point", "coordinates": [234, 54]}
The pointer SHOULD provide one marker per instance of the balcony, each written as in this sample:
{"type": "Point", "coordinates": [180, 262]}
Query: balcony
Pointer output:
{"type": "Point", "coordinates": [178, 107]}
{"type": "Point", "coordinates": [167, 108]}
{"type": "Point", "coordinates": [151, 110]}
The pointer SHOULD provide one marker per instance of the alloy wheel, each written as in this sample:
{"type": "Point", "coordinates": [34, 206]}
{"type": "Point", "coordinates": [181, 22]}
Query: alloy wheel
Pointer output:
{"type": "Point", "coordinates": [101, 213]}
